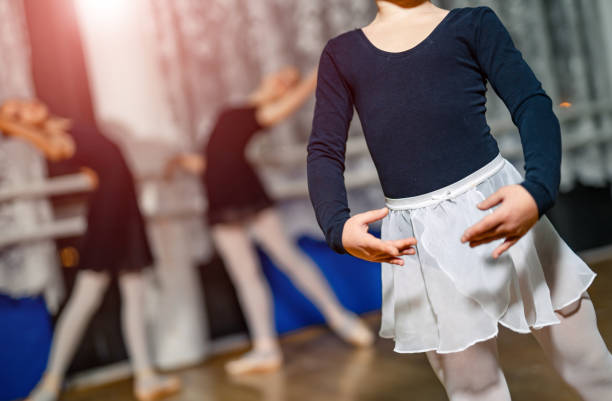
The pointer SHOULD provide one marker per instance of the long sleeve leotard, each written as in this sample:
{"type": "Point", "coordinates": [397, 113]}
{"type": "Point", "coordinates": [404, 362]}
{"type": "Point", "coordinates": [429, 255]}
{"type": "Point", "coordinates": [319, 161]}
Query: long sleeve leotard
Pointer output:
{"type": "Point", "coordinates": [423, 113]}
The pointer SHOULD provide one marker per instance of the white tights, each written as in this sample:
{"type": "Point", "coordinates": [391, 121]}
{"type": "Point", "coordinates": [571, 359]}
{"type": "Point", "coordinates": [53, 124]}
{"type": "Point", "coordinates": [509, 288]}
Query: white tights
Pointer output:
{"type": "Point", "coordinates": [574, 347]}
{"type": "Point", "coordinates": [234, 245]}
{"type": "Point", "coordinates": [473, 374]}
{"type": "Point", "coordinates": [87, 296]}
{"type": "Point", "coordinates": [577, 351]}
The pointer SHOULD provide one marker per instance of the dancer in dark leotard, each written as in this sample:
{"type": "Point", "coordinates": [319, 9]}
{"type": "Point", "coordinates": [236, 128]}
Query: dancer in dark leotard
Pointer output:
{"type": "Point", "coordinates": [114, 244]}
{"type": "Point", "coordinates": [238, 202]}
{"type": "Point", "coordinates": [234, 191]}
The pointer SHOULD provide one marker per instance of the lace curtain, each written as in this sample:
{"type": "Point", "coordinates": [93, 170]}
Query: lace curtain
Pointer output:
{"type": "Point", "coordinates": [215, 52]}
{"type": "Point", "coordinates": [15, 79]}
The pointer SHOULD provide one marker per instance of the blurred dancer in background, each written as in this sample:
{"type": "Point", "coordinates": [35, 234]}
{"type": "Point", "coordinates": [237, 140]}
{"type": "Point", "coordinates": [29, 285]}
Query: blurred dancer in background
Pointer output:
{"type": "Point", "coordinates": [115, 244]}
{"type": "Point", "coordinates": [238, 202]}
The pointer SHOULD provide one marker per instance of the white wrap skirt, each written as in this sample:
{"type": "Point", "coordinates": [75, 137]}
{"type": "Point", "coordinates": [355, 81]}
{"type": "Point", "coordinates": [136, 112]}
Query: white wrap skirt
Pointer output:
{"type": "Point", "coordinates": [449, 296]}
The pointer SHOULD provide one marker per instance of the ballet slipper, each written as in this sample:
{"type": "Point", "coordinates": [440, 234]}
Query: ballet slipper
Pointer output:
{"type": "Point", "coordinates": [47, 390]}
{"type": "Point", "coordinates": [149, 386]}
{"type": "Point", "coordinates": [255, 361]}
{"type": "Point", "coordinates": [352, 330]}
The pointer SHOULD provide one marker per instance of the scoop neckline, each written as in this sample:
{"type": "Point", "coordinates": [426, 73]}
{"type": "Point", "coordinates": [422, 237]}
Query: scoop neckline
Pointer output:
{"type": "Point", "coordinates": [413, 48]}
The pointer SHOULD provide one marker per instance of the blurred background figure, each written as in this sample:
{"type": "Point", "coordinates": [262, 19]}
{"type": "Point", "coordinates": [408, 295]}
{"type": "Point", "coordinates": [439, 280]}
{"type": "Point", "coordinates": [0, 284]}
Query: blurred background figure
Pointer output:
{"type": "Point", "coordinates": [114, 244]}
{"type": "Point", "coordinates": [237, 203]}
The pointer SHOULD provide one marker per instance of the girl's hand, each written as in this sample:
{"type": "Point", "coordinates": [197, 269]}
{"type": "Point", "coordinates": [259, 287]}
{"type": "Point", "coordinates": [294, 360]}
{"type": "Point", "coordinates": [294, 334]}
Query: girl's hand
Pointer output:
{"type": "Point", "coordinates": [33, 112]}
{"type": "Point", "coordinates": [61, 146]}
{"type": "Point", "coordinates": [57, 125]}
{"type": "Point", "coordinates": [191, 162]}
{"type": "Point", "coordinates": [92, 176]}
{"type": "Point", "coordinates": [359, 243]}
{"type": "Point", "coordinates": [516, 214]}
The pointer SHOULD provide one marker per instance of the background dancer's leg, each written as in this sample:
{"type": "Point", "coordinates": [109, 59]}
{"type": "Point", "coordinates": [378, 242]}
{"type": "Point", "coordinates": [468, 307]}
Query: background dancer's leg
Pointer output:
{"type": "Point", "coordinates": [147, 384]}
{"type": "Point", "coordinates": [577, 351]}
{"type": "Point", "coordinates": [270, 233]}
{"type": "Point", "coordinates": [235, 247]}
{"type": "Point", "coordinates": [86, 297]}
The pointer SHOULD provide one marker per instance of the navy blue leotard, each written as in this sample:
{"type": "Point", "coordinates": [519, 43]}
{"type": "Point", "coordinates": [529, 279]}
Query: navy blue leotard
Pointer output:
{"type": "Point", "coordinates": [423, 113]}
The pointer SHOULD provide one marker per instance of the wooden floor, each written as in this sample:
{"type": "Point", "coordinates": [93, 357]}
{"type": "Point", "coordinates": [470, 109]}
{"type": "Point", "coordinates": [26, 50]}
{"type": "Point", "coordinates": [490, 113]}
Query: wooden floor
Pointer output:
{"type": "Point", "coordinates": [320, 367]}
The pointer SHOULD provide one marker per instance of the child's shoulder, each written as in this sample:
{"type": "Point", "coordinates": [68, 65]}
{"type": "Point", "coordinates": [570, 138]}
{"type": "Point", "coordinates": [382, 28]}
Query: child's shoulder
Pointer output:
{"type": "Point", "coordinates": [342, 41]}
{"type": "Point", "coordinates": [470, 15]}
{"type": "Point", "coordinates": [468, 20]}
{"type": "Point", "coordinates": [472, 11]}
{"type": "Point", "coordinates": [476, 14]}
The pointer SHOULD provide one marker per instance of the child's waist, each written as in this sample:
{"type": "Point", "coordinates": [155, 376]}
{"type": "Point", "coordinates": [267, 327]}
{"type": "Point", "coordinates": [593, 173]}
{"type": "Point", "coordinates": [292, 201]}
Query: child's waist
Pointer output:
{"type": "Point", "coordinates": [449, 191]}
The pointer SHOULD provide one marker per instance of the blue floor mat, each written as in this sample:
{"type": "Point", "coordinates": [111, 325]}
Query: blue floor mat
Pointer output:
{"type": "Point", "coordinates": [25, 338]}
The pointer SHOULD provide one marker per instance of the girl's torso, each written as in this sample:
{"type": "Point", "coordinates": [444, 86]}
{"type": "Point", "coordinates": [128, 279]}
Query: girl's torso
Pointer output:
{"type": "Point", "coordinates": [424, 106]}
{"type": "Point", "coordinates": [228, 173]}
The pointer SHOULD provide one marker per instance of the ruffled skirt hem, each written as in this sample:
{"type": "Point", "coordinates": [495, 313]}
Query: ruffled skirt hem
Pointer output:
{"type": "Point", "coordinates": [449, 296]}
{"type": "Point", "coordinates": [401, 348]}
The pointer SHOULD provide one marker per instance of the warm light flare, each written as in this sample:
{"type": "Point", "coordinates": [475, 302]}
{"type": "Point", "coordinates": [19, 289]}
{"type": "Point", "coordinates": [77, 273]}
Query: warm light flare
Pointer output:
{"type": "Point", "coordinates": [565, 105]}
{"type": "Point", "coordinates": [101, 8]}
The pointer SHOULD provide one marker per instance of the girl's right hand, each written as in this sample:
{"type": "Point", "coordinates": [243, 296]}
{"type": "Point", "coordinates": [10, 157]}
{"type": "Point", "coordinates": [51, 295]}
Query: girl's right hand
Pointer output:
{"type": "Point", "coordinates": [363, 245]}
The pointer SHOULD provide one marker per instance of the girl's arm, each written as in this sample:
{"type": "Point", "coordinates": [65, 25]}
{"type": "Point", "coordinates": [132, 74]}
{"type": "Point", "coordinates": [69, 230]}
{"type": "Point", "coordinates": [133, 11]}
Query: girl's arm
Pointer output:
{"type": "Point", "coordinates": [277, 111]}
{"type": "Point", "coordinates": [55, 147]}
{"type": "Point", "coordinates": [520, 206]}
{"type": "Point", "coordinates": [325, 165]}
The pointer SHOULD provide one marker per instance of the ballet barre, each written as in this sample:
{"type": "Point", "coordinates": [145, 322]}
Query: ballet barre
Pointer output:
{"type": "Point", "coordinates": [70, 183]}
{"type": "Point", "coordinates": [63, 228]}
{"type": "Point", "coordinates": [55, 229]}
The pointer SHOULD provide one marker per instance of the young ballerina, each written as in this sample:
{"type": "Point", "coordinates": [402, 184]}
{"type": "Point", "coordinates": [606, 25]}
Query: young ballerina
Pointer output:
{"type": "Point", "coordinates": [115, 243]}
{"type": "Point", "coordinates": [465, 246]}
{"type": "Point", "coordinates": [237, 203]}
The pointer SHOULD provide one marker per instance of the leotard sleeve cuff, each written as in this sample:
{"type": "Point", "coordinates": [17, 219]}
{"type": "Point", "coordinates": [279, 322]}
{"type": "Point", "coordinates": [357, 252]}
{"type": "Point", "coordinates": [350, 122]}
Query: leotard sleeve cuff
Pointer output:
{"type": "Point", "coordinates": [540, 195]}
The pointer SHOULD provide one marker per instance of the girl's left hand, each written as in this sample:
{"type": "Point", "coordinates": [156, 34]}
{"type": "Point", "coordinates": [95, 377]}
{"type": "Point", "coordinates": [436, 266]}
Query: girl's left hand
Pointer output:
{"type": "Point", "coordinates": [516, 214]}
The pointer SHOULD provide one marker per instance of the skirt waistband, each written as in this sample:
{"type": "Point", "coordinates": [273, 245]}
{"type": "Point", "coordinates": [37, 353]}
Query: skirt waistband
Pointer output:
{"type": "Point", "coordinates": [450, 191]}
